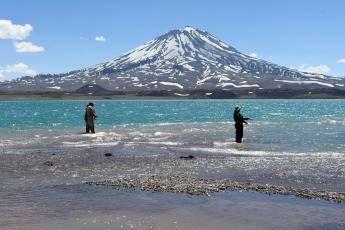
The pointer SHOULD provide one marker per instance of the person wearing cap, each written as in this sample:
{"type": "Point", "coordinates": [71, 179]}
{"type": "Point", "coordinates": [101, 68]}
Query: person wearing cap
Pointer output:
{"type": "Point", "coordinates": [90, 115]}
{"type": "Point", "coordinates": [239, 120]}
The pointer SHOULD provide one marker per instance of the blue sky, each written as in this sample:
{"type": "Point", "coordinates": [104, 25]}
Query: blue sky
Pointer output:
{"type": "Point", "coordinates": [59, 36]}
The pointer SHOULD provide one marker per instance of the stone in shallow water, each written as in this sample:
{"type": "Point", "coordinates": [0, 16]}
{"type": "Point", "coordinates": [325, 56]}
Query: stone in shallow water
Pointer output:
{"type": "Point", "coordinates": [189, 157]}
{"type": "Point", "coordinates": [48, 163]}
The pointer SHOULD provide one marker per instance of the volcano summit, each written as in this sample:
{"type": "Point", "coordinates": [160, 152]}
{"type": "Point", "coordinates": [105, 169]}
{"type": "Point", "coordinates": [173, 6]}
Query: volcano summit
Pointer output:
{"type": "Point", "coordinates": [185, 59]}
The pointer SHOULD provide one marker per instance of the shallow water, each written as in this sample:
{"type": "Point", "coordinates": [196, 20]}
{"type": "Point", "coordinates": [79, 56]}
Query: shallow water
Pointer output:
{"type": "Point", "coordinates": [92, 207]}
{"type": "Point", "coordinates": [304, 139]}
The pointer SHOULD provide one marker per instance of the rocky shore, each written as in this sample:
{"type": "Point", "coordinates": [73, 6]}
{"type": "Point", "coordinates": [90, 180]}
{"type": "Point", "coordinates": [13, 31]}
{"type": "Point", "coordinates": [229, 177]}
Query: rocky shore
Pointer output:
{"type": "Point", "coordinates": [198, 186]}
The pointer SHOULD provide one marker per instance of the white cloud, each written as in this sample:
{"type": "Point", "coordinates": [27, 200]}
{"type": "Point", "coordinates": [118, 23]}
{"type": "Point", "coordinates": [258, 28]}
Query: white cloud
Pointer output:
{"type": "Point", "coordinates": [322, 69]}
{"type": "Point", "coordinates": [100, 38]}
{"type": "Point", "coordinates": [19, 68]}
{"type": "Point", "coordinates": [254, 55]}
{"type": "Point", "coordinates": [1, 75]}
{"type": "Point", "coordinates": [341, 60]}
{"type": "Point", "coordinates": [11, 31]}
{"type": "Point", "coordinates": [22, 47]}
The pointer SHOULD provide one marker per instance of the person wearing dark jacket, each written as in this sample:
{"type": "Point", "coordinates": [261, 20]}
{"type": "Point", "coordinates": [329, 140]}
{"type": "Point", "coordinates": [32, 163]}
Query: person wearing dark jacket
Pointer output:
{"type": "Point", "coordinates": [239, 120]}
{"type": "Point", "coordinates": [90, 115]}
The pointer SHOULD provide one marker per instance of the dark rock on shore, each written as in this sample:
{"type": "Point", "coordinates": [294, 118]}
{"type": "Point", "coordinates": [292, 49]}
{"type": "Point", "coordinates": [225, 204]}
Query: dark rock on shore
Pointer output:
{"type": "Point", "coordinates": [48, 163]}
{"type": "Point", "coordinates": [188, 157]}
{"type": "Point", "coordinates": [198, 186]}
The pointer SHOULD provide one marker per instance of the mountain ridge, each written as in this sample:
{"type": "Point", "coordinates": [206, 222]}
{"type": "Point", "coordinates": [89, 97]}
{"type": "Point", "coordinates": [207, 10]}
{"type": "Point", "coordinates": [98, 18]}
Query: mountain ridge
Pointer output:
{"type": "Point", "coordinates": [184, 59]}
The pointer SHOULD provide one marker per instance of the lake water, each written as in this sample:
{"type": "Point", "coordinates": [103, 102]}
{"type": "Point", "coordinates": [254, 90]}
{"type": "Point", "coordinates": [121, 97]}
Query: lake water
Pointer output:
{"type": "Point", "coordinates": [296, 143]}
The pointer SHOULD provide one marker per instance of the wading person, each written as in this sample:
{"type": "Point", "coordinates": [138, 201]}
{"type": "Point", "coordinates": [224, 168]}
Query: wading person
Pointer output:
{"type": "Point", "coordinates": [239, 120]}
{"type": "Point", "coordinates": [90, 115]}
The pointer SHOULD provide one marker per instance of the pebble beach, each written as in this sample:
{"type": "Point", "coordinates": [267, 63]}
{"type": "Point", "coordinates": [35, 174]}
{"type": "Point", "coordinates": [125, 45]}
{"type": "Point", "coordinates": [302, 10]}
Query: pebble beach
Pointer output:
{"type": "Point", "coordinates": [198, 186]}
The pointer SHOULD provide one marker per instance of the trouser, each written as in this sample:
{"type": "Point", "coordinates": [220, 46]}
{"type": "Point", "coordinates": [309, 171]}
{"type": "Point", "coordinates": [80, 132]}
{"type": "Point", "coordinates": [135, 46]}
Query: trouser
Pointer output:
{"type": "Point", "coordinates": [90, 127]}
{"type": "Point", "coordinates": [239, 132]}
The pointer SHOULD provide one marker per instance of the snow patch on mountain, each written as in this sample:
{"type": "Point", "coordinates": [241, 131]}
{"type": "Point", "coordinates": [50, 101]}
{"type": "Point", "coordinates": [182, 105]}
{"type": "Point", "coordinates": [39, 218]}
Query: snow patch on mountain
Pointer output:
{"type": "Point", "coordinates": [172, 84]}
{"type": "Point", "coordinates": [237, 86]}
{"type": "Point", "coordinates": [307, 82]}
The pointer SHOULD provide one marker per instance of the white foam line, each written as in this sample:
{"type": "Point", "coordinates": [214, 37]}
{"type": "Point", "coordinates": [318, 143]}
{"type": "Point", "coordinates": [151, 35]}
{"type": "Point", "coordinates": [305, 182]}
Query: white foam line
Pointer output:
{"type": "Point", "coordinates": [83, 144]}
{"type": "Point", "coordinates": [233, 151]}
{"type": "Point", "coordinates": [155, 143]}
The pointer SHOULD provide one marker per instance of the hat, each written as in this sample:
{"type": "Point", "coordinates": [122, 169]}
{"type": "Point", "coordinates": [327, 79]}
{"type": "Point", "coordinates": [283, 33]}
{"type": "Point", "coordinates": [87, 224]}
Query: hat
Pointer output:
{"type": "Point", "coordinates": [237, 108]}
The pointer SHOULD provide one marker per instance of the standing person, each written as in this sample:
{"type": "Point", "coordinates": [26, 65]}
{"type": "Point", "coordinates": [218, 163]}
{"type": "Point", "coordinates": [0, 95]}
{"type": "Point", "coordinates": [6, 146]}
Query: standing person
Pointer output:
{"type": "Point", "coordinates": [90, 115]}
{"type": "Point", "coordinates": [239, 120]}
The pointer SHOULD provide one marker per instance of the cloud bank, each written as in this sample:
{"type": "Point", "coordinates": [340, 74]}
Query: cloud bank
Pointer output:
{"type": "Point", "coordinates": [100, 38]}
{"type": "Point", "coordinates": [8, 30]}
{"type": "Point", "coordinates": [22, 47]}
{"type": "Point", "coordinates": [11, 31]}
{"type": "Point", "coordinates": [1, 75]}
{"type": "Point", "coordinates": [19, 68]}
{"type": "Point", "coordinates": [321, 69]}
{"type": "Point", "coordinates": [341, 60]}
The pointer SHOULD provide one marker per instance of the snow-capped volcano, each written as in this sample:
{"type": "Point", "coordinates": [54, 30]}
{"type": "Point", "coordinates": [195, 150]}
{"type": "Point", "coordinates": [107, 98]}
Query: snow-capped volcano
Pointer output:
{"type": "Point", "coordinates": [180, 59]}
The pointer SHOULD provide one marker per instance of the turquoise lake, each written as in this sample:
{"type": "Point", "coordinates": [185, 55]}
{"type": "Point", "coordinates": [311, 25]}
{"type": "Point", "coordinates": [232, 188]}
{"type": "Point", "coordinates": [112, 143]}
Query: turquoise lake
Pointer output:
{"type": "Point", "coordinates": [278, 125]}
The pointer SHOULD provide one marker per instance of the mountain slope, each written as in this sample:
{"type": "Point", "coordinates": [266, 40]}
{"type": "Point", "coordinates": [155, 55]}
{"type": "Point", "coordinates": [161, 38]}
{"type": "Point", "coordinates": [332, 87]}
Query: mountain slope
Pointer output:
{"type": "Point", "coordinates": [180, 59]}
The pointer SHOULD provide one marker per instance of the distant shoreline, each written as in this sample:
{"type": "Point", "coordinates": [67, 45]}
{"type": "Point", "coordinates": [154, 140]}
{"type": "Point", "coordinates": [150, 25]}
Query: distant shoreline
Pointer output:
{"type": "Point", "coordinates": [177, 94]}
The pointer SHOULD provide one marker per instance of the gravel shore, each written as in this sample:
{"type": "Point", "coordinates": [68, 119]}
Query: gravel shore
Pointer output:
{"type": "Point", "coordinates": [198, 186]}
